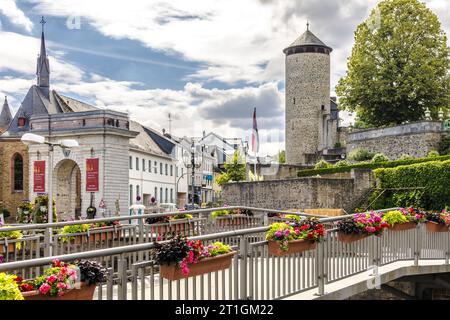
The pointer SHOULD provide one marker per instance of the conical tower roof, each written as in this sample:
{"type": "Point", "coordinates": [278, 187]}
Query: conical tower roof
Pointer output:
{"type": "Point", "coordinates": [5, 115]}
{"type": "Point", "coordinates": [307, 39]}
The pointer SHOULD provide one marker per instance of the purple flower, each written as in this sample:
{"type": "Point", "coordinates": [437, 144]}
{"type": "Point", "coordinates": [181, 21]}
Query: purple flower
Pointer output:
{"type": "Point", "coordinates": [279, 233]}
{"type": "Point", "coordinates": [287, 232]}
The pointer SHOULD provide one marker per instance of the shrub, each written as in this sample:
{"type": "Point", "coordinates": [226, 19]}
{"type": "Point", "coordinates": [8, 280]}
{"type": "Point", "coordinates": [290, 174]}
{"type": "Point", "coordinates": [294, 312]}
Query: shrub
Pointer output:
{"type": "Point", "coordinates": [322, 164]}
{"type": "Point", "coordinates": [379, 157]}
{"type": "Point", "coordinates": [337, 145]}
{"type": "Point", "coordinates": [433, 154]}
{"type": "Point", "coordinates": [444, 146]}
{"type": "Point", "coordinates": [406, 157]}
{"type": "Point", "coordinates": [9, 289]}
{"type": "Point", "coordinates": [360, 155]}
{"type": "Point", "coordinates": [363, 223]}
{"type": "Point", "coordinates": [432, 176]}
{"type": "Point", "coordinates": [92, 272]}
{"type": "Point", "coordinates": [342, 163]}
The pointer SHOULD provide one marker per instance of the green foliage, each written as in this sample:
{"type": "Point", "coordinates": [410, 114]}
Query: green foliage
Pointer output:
{"type": "Point", "coordinates": [9, 290]}
{"type": "Point", "coordinates": [41, 210]}
{"type": "Point", "coordinates": [360, 155]}
{"type": "Point", "coordinates": [182, 216]}
{"type": "Point", "coordinates": [222, 179]}
{"type": "Point", "coordinates": [433, 154]}
{"type": "Point", "coordinates": [368, 165]}
{"type": "Point", "coordinates": [274, 227]}
{"type": "Point", "coordinates": [398, 67]}
{"type": "Point", "coordinates": [406, 157]}
{"type": "Point", "coordinates": [235, 168]}
{"type": "Point", "coordinates": [444, 146]}
{"type": "Point", "coordinates": [434, 176]}
{"type": "Point", "coordinates": [342, 163]}
{"type": "Point", "coordinates": [76, 228]}
{"type": "Point", "coordinates": [282, 157]}
{"type": "Point", "coordinates": [322, 164]}
{"type": "Point", "coordinates": [219, 213]}
{"type": "Point", "coordinates": [293, 217]}
{"type": "Point", "coordinates": [379, 157]}
{"type": "Point", "coordinates": [16, 234]}
{"type": "Point", "coordinates": [394, 217]}
{"type": "Point", "coordinates": [337, 145]}
{"type": "Point", "coordinates": [218, 248]}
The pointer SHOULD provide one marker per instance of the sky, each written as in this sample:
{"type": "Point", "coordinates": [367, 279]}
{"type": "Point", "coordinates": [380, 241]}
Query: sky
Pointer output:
{"type": "Point", "coordinates": [207, 63]}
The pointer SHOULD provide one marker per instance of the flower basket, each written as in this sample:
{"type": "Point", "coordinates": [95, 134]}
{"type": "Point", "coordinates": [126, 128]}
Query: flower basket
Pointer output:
{"type": "Point", "coordinates": [436, 227]}
{"type": "Point", "coordinates": [11, 247]}
{"type": "Point", "coordinates": [231, 220]}
{"type": "Point", "coordinates": [403, 226]}
{"type": "Point", "coordinates": [352, 237]}
{"type": "Point", "coordinates": [86, 292]}
{"type": "Point", "coordinates": [221, 262]}
{"type": "Point", "coordinates": [98, 236]}
{"type": "Point", "coordinates": [295, 246]}
{"type": "Point", "coordinates": [183, 228]}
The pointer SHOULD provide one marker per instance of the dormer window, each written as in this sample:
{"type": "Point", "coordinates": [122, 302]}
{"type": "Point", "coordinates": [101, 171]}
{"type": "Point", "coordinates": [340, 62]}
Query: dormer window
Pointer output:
{"type": "Point", "coordinates": [21, 122]}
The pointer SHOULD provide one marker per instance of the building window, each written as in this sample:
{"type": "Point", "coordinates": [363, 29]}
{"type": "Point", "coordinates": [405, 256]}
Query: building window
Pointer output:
{"type": "Point", "coordinates": [167, 194]}
{"type": "Point", "coordinates": [171, 195]}
{"type": "Point", "coordinates": [131, 162]}
{"type": "Point", "coordinates": [160, 168]}
{"type": "Point", "coordinates": [156, 193]}
{"type": "Point", "coordinates": [294, 101]}
{"type": "Point", "coordinates": [137, 192]}
{"type": "Point", "coordinates": [137, 163]}
{"type": "Point", "coordinates": [156, 167]}
{"type": "Point", "coordinates": [161, 194]}
{"type": "Point", "coordinates": [131, 194]}
{"type": "Point", "coordinates": [166, 169]}
{"type": "Point", "coordinates": [143, 164]}
{"type": "Point", "coordinates": [17, 172]}
{"type": "Point", "coordinates": [171, 170]}
{"type": "Point", "coordinates": [21, 122]}
{"type": "Point", "coordinates": [149, 165]}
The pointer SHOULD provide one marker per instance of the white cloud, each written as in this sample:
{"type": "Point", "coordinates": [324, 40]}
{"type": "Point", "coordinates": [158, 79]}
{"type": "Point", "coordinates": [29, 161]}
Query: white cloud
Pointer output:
{"type": "Point", "coordinates": [15, 15]}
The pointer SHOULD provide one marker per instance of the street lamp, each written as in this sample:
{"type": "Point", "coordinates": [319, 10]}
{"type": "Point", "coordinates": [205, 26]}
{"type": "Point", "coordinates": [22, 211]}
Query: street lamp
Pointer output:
{"type": "Point", "coordinates": [193, 160]}
{"type": "Point", "coordinates": [66, 145]}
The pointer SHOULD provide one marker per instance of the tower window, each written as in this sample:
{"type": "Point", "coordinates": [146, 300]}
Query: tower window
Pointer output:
{"type": "Point", "coordinates": [21, 122]}
{"type": "Point", "coordinates": [294, 101]}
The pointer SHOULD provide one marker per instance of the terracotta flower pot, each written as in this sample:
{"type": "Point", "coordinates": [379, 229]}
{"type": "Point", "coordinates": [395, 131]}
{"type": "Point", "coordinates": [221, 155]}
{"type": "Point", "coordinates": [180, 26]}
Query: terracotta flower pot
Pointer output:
{"type": "Point", "coordinates": [231, 220]}
{"type": "Point", "coordinates": [98, 236]}
{"type": "Point", "coordinates": [403, 226]}
{"type": "Point", "coordinates": [436, 227]}
{"type": "Point", "coordinates": [295, 246]}
{"type": "Point", "coordinates": [349, 238]}
{"type": "Point", "coordinates": [11, 247]}
{"type": "Point", "coordinates": [221, 262]}
{"type": "Point", "coordinates": [84, 293]}
{"type": "Point", "coordinates": [183, 228]}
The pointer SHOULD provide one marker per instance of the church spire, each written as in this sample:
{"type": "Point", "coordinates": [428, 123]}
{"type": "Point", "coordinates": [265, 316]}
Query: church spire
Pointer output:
{"type": "Point", "coordinates": [5, 116]}
{"type": "Point", "coordinates": [43, 66]}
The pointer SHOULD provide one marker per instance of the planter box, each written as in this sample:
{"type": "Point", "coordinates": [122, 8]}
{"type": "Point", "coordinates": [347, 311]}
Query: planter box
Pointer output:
{"type": "Point", "coordinates": [231, 220]}
{"type": "Point", "coordinates": [97, 237]}
{"type": "Point", "coordinates": [183, 228]}
{"type": "Point", "coordinates": [349, 238]}
{"type": "Point", "coordinates": [221, 262]}
{"type": "Point", "coordinates": [295, 246]}
{"type": "Point", "coordinates": [84, 293]}
{"type": "Point", "coordinates": [11, 247]}
{"type": "Point", "coordinates": [436, 227]}
{"type": "Point", "coordinates": [403, 226]}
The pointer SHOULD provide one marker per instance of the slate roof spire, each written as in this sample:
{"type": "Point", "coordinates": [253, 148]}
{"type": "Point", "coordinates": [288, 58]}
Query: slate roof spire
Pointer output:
{"type": "Point", "coordinates": [5, 115]}
{"type": "Point", "coordinates": [307, 39]}
{"type": "Point", "coordinates": [43, 66]}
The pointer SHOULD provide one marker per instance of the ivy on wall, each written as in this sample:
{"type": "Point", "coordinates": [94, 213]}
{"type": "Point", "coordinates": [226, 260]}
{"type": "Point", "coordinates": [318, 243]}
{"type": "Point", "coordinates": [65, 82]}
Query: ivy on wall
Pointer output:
{"type": "Point", "coordinates": [433, 176]}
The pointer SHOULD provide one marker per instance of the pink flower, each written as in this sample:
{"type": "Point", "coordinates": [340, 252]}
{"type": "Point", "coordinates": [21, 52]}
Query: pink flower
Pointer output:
{"type": "Point", "coordinates": [61, 285]}
{"type": "Point", "coordinates": [370, 229]}
{"type": "Point", "coordinates": [51, 279]}
{"type": "Point", "coordinates": [44, 288]}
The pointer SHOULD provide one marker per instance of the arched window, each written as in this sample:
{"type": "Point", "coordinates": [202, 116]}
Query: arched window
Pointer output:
{"type": "Point", "coordinates": [131, 194]}
{"type": "Point", "coordinates": [17, 172]}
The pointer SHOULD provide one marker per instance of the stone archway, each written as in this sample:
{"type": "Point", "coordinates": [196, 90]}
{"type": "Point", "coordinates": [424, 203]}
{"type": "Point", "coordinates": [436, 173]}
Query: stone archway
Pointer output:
{"type": "Point", "coordinates": [67, 189]}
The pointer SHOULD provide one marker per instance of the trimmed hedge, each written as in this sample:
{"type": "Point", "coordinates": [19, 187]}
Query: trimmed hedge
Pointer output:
{"type": "Point", "coordinates": [368, 165]}
{"type": "Point", "coordinates": [434, 176]}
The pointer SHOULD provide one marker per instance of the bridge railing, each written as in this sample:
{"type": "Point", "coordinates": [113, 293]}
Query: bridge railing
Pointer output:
{"type": "Point", "coordinates": [254, 273]}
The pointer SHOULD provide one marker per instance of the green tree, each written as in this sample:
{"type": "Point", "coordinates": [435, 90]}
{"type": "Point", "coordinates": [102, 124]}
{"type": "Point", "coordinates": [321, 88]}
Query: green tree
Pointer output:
{"type": "Point", "coordinates": [282, 156]}
{"type": "Point", "coordinates": [235, 170]}
{"type": "Point", "coordinates": [399, 66]}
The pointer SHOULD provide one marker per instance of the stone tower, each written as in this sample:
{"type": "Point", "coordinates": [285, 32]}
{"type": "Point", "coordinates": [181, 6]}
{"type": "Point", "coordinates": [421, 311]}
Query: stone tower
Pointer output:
{"type": "Point", "coordinates": [307, 99]}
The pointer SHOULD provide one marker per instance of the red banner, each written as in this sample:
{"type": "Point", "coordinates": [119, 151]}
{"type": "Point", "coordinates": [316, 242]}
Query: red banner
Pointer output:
{"type": "Point", "coordinates": [39, 176]}
{"type": "Point", "coordinates": [92, 175]}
